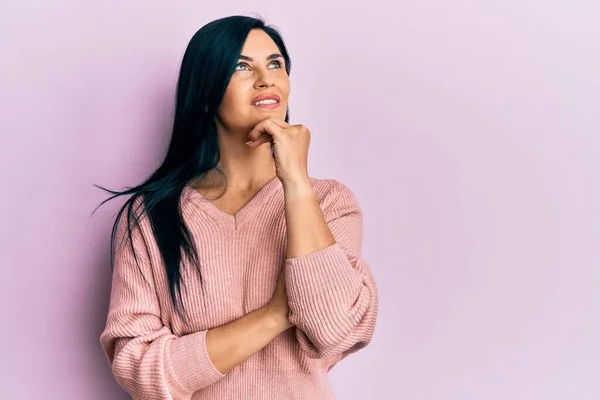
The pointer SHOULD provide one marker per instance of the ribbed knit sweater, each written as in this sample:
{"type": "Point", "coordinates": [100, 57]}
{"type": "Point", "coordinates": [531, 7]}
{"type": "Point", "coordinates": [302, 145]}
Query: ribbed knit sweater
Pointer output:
{"type": "Point", "coordinates": [332, 296]}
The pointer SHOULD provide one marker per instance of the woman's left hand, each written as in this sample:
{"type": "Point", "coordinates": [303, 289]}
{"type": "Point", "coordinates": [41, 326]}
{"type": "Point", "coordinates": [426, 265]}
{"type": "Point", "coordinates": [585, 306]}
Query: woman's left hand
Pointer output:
{"type": "Point", "coordinates": [290, 147]}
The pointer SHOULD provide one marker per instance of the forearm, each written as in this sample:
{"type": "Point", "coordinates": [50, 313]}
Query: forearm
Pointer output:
{"type": "Point", "coordinates": [235, 342]}
{"type": "Point", "coordinates": [307, 230]}
{"type": "Point", "coordinates": [333, 303]}
{"type": "Point", "coordinates": [332, 293]}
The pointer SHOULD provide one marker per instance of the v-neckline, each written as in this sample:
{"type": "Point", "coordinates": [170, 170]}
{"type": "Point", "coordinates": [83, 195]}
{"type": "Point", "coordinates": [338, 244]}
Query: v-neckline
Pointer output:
{"type": "Point", "coordinates": [232, 221]}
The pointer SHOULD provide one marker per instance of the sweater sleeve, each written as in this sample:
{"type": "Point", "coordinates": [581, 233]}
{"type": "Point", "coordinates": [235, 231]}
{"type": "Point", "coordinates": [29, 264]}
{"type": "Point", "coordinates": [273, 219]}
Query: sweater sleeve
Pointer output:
{"type": "Point", "coordinates": [147, 359]}
{"type": "Point", "coordinates": [332, 294]}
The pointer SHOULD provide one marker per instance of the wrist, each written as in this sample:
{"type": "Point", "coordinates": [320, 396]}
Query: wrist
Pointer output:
{"type": "Point", "coordinates": [299, 186]}
{"type": "Point", "coordinates": [273, 320]}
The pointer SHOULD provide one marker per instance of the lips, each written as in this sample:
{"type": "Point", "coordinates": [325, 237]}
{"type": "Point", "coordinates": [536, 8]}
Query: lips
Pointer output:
{"type": "Point", "coordinates": [266, 96]}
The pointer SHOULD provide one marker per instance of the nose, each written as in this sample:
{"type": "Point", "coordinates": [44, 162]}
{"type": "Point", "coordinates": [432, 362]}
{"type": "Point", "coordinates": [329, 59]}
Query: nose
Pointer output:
{"type": "Point", "coordinates": [264, 80]}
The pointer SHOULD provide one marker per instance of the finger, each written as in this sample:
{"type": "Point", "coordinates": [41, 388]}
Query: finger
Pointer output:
{"type": "Point", "coordinates": [264, 138]}
{"type": "Point", "coordinates": [260, 129]}
{"type": "Point", "coordinates": [280, 122]}
{"type": "Point", "coordinates": [267, 126]}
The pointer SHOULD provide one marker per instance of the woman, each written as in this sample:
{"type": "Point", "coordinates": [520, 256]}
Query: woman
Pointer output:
{"type": "Point", "coordinates": [235, 274]}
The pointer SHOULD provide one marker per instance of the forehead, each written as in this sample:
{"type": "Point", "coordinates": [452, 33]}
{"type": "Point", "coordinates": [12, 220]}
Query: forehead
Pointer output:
{"type": "Point", "coordinates": [259, 45]}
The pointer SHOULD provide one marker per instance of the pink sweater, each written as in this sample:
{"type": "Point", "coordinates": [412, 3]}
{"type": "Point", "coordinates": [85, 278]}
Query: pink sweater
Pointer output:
{"type": "Point", "coordinates": [332, 296]}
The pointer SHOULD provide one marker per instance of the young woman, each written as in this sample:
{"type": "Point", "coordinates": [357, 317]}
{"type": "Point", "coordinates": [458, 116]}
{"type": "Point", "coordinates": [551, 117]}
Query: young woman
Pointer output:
{"type": "Point", "coordinates": [235, 274]}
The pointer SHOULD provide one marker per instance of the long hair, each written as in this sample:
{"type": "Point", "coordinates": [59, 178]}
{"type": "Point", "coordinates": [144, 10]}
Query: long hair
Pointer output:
{"type": "Point", "coordinates": [206, 69]}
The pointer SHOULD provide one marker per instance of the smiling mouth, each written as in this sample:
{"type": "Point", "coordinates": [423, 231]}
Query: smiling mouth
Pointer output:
{"type": "Point", "coordinates": [267, 103]}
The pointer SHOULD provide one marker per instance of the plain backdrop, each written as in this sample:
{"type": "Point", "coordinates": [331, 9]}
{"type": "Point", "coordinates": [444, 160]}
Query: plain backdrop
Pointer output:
{"type": "Point", "coordinates": [468, 129]}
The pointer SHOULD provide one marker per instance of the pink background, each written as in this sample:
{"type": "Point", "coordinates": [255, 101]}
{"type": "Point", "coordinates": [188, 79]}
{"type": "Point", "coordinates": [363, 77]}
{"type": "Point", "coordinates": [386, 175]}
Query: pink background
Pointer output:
{"type": "Point", "coordinates": [469, 130]}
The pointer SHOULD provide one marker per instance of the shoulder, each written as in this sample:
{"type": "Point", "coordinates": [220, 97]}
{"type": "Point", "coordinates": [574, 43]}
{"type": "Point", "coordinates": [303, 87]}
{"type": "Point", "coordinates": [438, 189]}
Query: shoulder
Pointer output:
{"type": "Point", "coordinates": [334, 195]}
{"type": "Point", "coordinates": [133, 226]}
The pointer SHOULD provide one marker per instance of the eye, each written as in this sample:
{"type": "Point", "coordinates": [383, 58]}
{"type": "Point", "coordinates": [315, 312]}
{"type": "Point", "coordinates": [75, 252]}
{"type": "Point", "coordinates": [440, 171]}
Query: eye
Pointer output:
{"type": "Point", "coordinates": [240, 65]}
{"type": "Point", "coordinates": [277, 63]}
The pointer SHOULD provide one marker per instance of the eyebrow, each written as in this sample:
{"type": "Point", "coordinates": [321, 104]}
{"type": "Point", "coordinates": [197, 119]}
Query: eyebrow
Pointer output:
{"type": "Point", "coordinates": [271, 57]}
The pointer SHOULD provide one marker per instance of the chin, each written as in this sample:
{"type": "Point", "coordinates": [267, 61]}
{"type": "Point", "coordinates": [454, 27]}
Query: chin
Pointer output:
{"type": "Point", "coordinates": [277, 113]}
{"type": "Point", "coordinates": [248, 122]}
{"type": "Point", "coordinates": [260, 115]}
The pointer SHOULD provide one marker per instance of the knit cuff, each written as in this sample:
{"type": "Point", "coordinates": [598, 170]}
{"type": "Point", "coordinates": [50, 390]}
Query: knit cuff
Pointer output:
{"type": "Point", "coordinates": [190, 363]}
{"type": "Point", "coordinates": [326, 270]}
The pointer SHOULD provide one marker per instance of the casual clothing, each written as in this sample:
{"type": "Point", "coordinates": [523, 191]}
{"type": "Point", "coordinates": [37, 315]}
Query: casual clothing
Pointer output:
{"type": "Point", "coordinates": [332, 296]}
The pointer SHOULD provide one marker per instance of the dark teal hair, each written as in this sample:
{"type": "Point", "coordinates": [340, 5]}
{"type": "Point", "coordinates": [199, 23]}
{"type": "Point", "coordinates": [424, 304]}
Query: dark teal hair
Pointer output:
{"type": "Point", "coordinates": [207, 66]}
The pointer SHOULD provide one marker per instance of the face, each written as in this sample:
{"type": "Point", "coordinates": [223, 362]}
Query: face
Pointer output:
{"type": "Point", "coordinates": [260, 73]}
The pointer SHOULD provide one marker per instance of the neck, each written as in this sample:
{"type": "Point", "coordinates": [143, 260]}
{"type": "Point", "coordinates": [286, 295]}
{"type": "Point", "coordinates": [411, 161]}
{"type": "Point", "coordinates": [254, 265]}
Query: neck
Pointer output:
{"type": "Point", "coordinates": [245, 167]}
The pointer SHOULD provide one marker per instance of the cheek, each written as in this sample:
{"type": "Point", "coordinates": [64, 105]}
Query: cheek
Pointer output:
{"type": "Point", "coordinates": [284, 86]}
{"type": "Point", "coordinates": [231, 103]}
{"type": "Point", "coordinates": [229, 99]}
{"type": "Point", "coordinates": [235, 111]}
